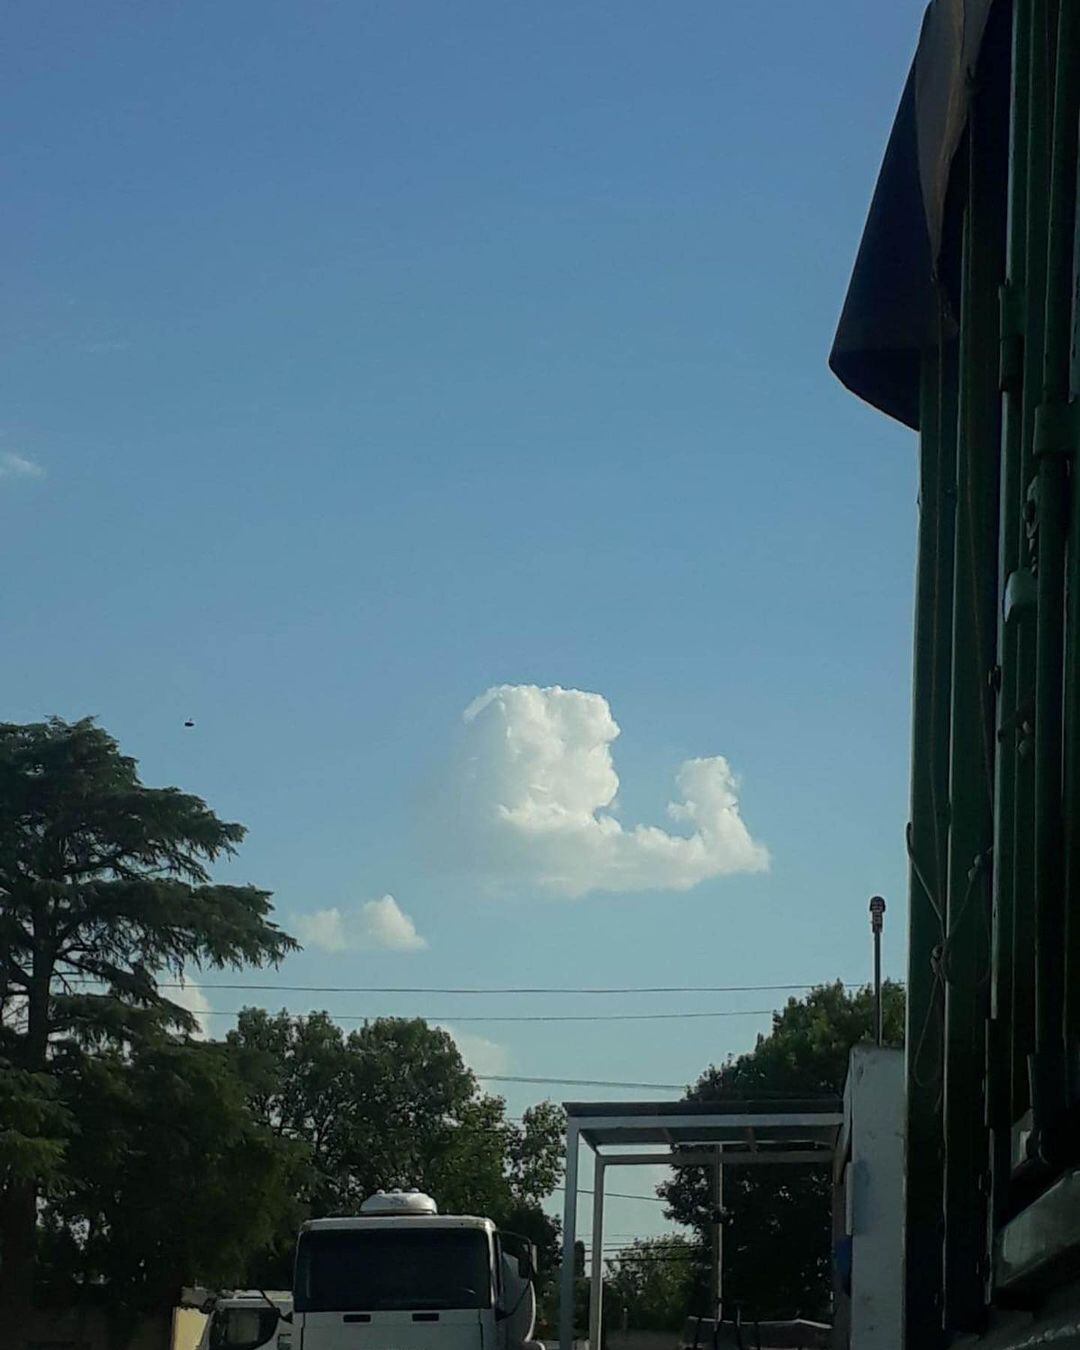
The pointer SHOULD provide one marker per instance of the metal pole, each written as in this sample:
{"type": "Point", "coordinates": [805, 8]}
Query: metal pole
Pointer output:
{"type": "Point", "coordinates": [931, 714]}
{"type": "Point", "coordinates": [566, 1275]}
{"type": "Point", "coordinates": [718, 1233]}
{"type": "Point", "coordinates": [596, 1288]}
{"type": "Point", "coordinates": [965, 955]}
{"type": "Point", "coordinates": [1002, 1054]}
{"type": "Point", "coordinates": [877, 923]}
{"type": "Point", "coordinates": [1035, 82]}
{"type": "Point", "coordinates": [1054, 444]}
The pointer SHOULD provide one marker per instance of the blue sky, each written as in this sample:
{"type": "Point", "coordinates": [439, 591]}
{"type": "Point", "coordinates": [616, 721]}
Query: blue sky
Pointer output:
{"type": "Point", "coordinates": [361, 357]}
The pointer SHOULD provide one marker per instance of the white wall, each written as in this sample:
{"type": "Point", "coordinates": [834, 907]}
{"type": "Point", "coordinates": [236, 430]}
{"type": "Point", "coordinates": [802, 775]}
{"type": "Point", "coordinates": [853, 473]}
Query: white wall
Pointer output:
{"type": "Point", "coordinates": [874, 1110]}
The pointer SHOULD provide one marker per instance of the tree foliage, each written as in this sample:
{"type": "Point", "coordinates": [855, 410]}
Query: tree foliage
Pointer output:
{"type": "Point", "coordinates": [34, 1125]}
{"type": "Point", "coordinates": [777, 1220]}
{"type": "Point", "coordinates": [134, 1159]}
{"type": "Point", "coordinates": [104, 887]}
{"type": "Point", "coordinates": [169, 1177]}
{"type": "Point", "coordinates": [653, 1284]}
{"type": "Point", "coordinates": [393, 1104]}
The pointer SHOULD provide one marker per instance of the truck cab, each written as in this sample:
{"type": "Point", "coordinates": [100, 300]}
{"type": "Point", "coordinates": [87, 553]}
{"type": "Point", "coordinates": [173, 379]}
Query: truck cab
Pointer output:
{"type": "Point", "coordinates": [400, 1276]}
{"type": "Point", "coordinates": [248, 1320]}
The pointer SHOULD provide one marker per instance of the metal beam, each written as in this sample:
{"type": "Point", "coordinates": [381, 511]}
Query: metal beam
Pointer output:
{"type": "Point", "coordinates": [927, 835]}
{"type": "Point", "coordinates": [695, 1129]}
{"type": "Point", "coordinates": [1054, 444]}
{"type": "Point", "coordinates": [1072, 749]}
{"type": "Point", "coordinates": [1001, 1055]}
{"type": "Point", "coordinates": [596, 1287]}
{"type": "Point", "coordinates": [717, 1197]}
{"type": "Point", "coordinates": [746, 1130]}
{"type": "Point", "coordinates": [1042, 1239]}
{"type": "Point", "coordinates": [732, 1158]}
{"type": "Point", "coordinates": [566, 1275]}
{"type": "Point", "coordinates": [729, 1120]}
{"type": "Point", "coordinates": [1038, 78]}
{"type": "Point", "coordinates": [966, 956]}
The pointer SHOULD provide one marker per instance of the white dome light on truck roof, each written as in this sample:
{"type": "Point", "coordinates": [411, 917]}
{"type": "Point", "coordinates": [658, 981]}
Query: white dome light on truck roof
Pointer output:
{"type": "Point", "coordinates": [399, 1202]}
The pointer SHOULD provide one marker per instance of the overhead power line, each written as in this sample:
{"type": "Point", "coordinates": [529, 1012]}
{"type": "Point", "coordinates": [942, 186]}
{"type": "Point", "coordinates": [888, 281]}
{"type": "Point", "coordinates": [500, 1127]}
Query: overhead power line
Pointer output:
{"type": "Point", "coordinates": [500, 989]}
{"type": "Point", "coordinates": [580, 1082]}
{"type": "Point", "coordinates": [652, 1243]}
{"type": "Point", "coordinates": [536, 1017]}
{"type": "Point", "coordinates": [618, 1195]}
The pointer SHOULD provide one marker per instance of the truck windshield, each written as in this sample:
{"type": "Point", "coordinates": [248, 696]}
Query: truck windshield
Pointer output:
{"type": "Point", "coordinates": [374, 1270]}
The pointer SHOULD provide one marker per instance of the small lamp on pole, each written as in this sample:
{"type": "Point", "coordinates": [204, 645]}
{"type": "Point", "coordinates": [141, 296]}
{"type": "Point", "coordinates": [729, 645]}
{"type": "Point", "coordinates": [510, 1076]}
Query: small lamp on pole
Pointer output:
{"type": "Point", "coordinates": [877, 925]}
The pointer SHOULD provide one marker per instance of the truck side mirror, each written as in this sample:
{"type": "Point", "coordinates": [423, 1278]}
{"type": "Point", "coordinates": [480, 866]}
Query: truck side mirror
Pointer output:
{"type": "Point", "coordinates": [523, 1251]}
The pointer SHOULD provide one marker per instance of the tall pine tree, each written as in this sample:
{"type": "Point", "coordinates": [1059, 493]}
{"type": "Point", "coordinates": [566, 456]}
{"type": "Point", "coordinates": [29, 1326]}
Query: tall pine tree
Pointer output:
{"type": "Point", "coordinates": [104, 890]}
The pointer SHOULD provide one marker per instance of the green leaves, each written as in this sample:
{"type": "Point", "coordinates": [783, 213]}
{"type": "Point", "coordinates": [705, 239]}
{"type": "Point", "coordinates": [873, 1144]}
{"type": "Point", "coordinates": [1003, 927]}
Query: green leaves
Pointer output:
{"type": "Point", "coordinates": [655, 1282]}
{"type": "Point", "coordinates": [169, 1177]}
{"type": "Point", "coordinates": [392, 1104]}
{"type": "Point", "coordinates": [777, 1244]}
{"type": "Point", "coordinates": [104, 887]}
{"type": "Point", "coordinates": [163, 1161]}
{"type": "Point", "coordinates": [535, 1153]}
{"type": "Point", "coordinates": [104, 883]}
{"type": "Point", "coordinates": [34, 1125]}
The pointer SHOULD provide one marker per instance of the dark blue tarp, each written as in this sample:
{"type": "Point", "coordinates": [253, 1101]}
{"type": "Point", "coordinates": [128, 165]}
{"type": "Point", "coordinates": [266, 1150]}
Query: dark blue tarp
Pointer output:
{"type": "Point", "coordinates": [891, 312]}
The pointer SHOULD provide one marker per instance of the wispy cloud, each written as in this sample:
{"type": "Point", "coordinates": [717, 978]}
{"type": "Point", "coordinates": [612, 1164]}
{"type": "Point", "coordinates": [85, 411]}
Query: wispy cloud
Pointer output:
{"type": "Point", "coordinates": [13, 465]}
{"type": "Point", "coordinates": [105, 346]}
{"type": "Point", "coordinates": [537, 794]}
{"type": "Point", "coordinates": [374, 925]}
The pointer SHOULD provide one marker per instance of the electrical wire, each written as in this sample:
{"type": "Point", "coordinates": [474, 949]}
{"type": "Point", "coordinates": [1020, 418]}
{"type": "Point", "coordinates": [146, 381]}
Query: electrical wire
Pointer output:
{"type": "Point", "coordinates": [442, 989]}
{"type": "Point", "coordinates": [617, 1195]}
{"type": "Point", "coordinates": [579, 1082]}
{"type": "Point", "coordinates": [535, 1017]}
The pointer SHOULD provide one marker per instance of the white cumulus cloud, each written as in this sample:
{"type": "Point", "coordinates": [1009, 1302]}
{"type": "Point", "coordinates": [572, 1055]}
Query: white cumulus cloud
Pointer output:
{"type": "Point", "coordinates": [480, 1054]}
{"type": "Point", "coordinates": [18, 466]}
{"type": "Point", "coordinates": [373, 925]}
{"type": "Point", "coordinates": [539, 792]}
{"type": "Point", "coordinates": [195, 1001]}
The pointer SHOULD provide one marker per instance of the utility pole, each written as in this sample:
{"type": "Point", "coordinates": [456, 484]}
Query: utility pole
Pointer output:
{"type": "Point", "coordinates": [717, 1197]}
{"type": "Point", "coordinates": [877, 925]}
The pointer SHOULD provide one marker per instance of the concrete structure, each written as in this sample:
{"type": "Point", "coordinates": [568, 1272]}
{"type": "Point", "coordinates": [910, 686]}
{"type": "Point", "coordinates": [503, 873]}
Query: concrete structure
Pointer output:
{"type": "Point", "coordinates": [868, 1216]}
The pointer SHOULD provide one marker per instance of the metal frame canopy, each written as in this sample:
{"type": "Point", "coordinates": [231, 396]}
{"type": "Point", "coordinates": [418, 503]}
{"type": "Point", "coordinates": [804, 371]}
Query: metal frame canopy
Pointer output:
{"type": "Point", "coordinates": [680, 1134]}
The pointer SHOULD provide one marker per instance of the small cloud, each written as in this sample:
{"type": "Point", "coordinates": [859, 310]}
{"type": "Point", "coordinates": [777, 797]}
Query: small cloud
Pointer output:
{"type": "Point", "coordinates": [537, 801]}
{"type": "Point", "coordinates": [374, 925]}
{"type": "Point", "coordinates": [18, 466]}
{"type": "Point", "coordinates": [102, 347]}
{"type": "Point", "coordinates": [480, 1054]}
{"type": "Point", "coordinates": [195, 1001]}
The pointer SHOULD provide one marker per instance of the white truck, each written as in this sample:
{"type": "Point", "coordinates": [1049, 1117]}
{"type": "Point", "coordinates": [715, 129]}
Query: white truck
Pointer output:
{"type": "Point", "coordinates": [248, 1319]}
{"type": "Point", "coordinates": [401, 1276]}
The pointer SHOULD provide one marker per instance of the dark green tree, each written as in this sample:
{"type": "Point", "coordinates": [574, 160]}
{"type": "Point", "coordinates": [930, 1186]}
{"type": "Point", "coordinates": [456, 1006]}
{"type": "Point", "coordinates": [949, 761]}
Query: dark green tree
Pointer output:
{"type": "Point", "coordinates": [777, 1260]}
{"type": "Point", "coordinates": [294, 1070]}
{"type": "Point", "coordinates": [170, 1180]}
{"type": "Point", "coordinates": [654, 1283]}
{"type": "Point", "coordinates": [104, 888]}
{"type": "Point", "coordinates": [393, 1104]}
